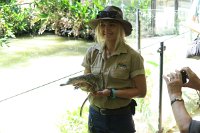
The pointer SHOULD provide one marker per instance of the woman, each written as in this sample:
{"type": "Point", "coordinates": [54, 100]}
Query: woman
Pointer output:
{"type": "Point", "coordinates": [123, 72]}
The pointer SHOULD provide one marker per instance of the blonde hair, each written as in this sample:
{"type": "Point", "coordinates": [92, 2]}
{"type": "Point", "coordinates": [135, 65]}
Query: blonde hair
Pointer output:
{"type": "Point", "coordinates": [99, 38]}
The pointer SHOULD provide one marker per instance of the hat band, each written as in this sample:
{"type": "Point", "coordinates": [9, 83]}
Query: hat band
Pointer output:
{"type": "Point", "coordinates": [110, 14]}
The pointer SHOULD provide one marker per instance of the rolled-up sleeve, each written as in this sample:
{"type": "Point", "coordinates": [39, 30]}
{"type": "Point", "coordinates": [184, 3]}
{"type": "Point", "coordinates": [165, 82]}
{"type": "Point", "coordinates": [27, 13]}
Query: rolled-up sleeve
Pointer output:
{"type": "Point", "coordinates": [87, 59]}
{"type": "Point", "coordinates": [137, 65]}
{"type": "Point", "coordinates": [90, 56]}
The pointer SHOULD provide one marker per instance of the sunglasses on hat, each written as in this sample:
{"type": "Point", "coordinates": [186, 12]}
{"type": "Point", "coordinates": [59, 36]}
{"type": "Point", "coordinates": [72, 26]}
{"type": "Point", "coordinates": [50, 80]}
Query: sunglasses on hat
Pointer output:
{"type": "Point", "coordinates": [110, 14]}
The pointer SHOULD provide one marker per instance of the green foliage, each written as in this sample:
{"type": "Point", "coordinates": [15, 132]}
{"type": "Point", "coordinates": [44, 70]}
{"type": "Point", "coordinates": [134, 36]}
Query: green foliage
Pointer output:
{"type": "Point", "coordinates": [14, 20]}
{"type": "Point", "coordinates": [143, 104]}
{"type": "Point", "coordinates": [61, 17]}
{"type": "Point", "coordinates": [73, 123]}
{"type": "Point", "coordinates": [153, 63]}
{"type": "Point", "coordinates": [130, 11]}
{"type": "Point", "coordinates": [64, 18]}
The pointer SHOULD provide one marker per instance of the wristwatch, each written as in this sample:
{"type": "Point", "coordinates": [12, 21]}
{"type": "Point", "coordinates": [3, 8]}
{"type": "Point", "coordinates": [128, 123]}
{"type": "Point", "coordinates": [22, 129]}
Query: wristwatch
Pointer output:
{"type": "Point", "coordinates": [180, 99]}
{"type": "Point", "coordinates": [112, 93]}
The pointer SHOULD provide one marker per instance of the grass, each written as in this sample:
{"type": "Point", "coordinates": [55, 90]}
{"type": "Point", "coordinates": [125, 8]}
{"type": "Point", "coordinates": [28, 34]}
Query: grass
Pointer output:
{"type": "Point", "coordinates": [73, 123]}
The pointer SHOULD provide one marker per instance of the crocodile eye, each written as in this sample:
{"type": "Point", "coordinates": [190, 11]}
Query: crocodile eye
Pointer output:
{"type": "Point", "coordinates": [76, 87]}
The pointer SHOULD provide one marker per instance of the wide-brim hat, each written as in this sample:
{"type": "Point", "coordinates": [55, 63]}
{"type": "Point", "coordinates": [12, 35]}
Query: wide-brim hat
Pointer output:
{"type": "Point", "coordinates": [112, 13]}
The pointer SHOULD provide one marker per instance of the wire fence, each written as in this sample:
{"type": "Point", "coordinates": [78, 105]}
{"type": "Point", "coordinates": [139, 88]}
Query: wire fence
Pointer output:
{"type": "Point", "coordinates": [51, 82]}
{"type": "Point", "coordinates": [154, 22]}
{"type": "Point", "coordinates": [35, 88]}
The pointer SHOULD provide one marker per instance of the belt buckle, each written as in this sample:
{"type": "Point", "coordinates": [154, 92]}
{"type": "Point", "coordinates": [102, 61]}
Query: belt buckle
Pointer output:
{"type": "Point", "coordinates": [102, 111]}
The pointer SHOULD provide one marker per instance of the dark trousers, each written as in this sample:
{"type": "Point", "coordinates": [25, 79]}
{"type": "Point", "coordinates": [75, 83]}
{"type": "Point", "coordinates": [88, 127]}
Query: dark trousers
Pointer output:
{"type": "Point", "coordinates": [120, 123]}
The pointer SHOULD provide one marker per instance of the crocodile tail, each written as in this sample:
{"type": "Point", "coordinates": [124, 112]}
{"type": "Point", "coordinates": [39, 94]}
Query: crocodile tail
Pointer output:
{"type": "Point", "coordinates": [81, 110]}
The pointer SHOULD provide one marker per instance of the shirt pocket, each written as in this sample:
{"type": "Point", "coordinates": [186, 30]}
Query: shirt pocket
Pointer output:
{"type": "Point", "coordinates": [118, 73]}
{"type": "Point", "coordinates": [96, 70]}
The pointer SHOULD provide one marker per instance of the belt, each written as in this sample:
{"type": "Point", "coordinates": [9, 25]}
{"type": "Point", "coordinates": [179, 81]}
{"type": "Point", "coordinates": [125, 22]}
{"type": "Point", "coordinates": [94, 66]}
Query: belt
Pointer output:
{"type": "Point", "coordinates": [118, 111]}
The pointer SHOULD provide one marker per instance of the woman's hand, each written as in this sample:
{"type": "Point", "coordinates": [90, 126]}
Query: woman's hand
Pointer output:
{"type": "Point", "coordinates": [174, 84]}
{"type": "Point", "coordinates": [105, 93]}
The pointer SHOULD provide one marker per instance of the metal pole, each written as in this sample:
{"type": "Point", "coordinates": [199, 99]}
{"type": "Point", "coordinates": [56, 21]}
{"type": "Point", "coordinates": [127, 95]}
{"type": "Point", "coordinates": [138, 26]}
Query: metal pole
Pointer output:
{"type": "Point", "coordinates": [153, 16]}
{"type": "Point", "coordinates": [161, 50]}
{"type": "Point", "coordinates": [138, 29]}
{"type": "Point", "coordinates": [176, 23]}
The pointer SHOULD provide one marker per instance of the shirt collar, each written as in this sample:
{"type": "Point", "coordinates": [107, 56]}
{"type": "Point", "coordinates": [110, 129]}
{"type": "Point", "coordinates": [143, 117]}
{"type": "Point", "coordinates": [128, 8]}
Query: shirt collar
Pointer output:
{"type": "Point", "coordinates": [98, 47]}
{"type": "Point", "coordinates": [119, 49]}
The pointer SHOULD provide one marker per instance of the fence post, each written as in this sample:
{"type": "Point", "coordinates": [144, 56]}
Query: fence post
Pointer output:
{"type": "Point", "coordinates": [138, 29]}
{"type": "Point", "coordinates": [161, 51]}
{"type": "Point", "coordinates": [153, 16]}
{"type": "Point", "coordinates": [176, 23]}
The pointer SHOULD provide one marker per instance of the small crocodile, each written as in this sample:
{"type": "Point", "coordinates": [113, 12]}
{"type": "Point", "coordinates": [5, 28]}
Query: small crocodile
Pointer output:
{"type": "Point", "coordinates": [87, 82]}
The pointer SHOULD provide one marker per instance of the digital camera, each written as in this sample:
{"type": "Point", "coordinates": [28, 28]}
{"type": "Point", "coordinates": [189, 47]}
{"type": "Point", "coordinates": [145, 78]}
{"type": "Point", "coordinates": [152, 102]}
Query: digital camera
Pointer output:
{"type": "Point", "coordinates": [184, 76]}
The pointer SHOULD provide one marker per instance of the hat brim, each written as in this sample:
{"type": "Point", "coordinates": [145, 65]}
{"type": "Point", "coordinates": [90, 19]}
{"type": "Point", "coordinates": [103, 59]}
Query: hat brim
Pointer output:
{"type": "Point", "coordinates": [126, 25]}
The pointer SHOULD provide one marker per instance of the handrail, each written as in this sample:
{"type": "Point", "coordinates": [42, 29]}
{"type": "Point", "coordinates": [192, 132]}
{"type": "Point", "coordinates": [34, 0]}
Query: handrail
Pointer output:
{"type": "Point", "coordinates": [162, 41]}
{"type": "Point", "coordinates": [78, 72]}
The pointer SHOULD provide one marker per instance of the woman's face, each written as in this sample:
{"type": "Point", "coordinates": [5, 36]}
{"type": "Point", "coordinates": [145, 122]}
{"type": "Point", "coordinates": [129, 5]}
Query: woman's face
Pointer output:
{"type": "Point", "coordinates": [109, 29]}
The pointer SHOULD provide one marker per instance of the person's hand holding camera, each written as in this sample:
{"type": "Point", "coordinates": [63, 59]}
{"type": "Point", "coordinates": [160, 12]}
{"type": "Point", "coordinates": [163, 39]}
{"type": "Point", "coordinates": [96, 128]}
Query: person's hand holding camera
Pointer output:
{"type": "Point", "coordinates": [193, 79]}
{"type": "Point", "coordinates": [174, 84]}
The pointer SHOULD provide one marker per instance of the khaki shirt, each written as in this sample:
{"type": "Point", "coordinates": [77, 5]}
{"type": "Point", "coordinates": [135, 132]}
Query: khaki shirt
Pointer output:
{"type": "Point", "coordinates": [117, 71]}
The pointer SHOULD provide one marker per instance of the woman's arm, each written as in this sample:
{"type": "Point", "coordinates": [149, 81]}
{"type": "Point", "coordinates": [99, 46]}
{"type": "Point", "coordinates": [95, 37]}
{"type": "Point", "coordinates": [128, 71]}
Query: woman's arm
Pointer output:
{"type": "Point", "coordinates": [174, 85]}
{"type": "Point", "coordinates": [181, 116]}
{"type": "Point", "coordinates": [138, 91]}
